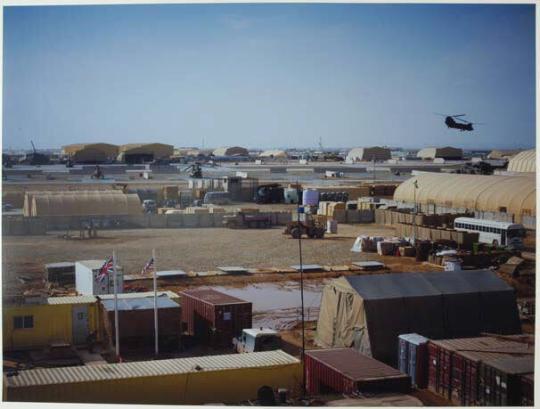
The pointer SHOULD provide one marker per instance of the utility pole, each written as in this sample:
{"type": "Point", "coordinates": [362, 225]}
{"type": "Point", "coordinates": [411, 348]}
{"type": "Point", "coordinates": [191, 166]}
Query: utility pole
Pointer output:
{"type": "Point", "coordinates": [156, 332]}
{"type": "Point", "coordinates": [301, 293]}
{"type": "Point", "coordinates": [116, 324]}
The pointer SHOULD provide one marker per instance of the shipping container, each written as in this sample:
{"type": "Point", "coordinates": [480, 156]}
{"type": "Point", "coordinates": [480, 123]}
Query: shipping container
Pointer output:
{"type": "Point", "coordinates": [500, 380]}
{"type": "Point", "coordinates": [527, 390]}
{"type": "Point", "coordinates": [229, 379]}
{"type": "Point", "coordinates": [413, 358]}
{"type": "Point", "coordinates": [345, 370]}
{"type": "Point", "coordinates": [136, 322]}
{"type": "Point", "coordinates": [454, 365]}
{"type": "Point", "coordinates": [214, 318]}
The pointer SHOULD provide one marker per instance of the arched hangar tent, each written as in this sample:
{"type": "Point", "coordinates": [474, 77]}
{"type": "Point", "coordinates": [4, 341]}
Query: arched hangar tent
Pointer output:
{"type": "Point", "coordinates": [369, 312]}
{"type": "Point", "coordinates": [515, 195]}
{"type": "Point", "coordinates": [368, 154]}
{"type": "Point", "coordinates": [524, 162]}
{"type": "Point", "coordinates": [231, 151]}
{"type": "Point", "coordinates": [91, 152]}
{"type": "Point", "coordinates": [274, 153]}
{"type": "Point", "coordinates": [445, 153]}
{"type": "Point", "coordinates": [502, 154]}
{"type": "Point", "coordinates": [144, 152]}
{"type": "Point", "coordinates": [86, 205]}
{"type": "Point", "coordinates": [29, 196]}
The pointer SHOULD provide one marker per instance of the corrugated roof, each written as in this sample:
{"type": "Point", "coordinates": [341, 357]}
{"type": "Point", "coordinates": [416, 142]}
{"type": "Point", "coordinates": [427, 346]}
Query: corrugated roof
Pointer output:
{"type": "Point", "coordinates": [77, 299]}
{"type": "Point", "coordinates": [398, 285]}
{"type": "Point", "coordinates": [140, 303]}
{"type": "Point", "coordinates": [484, 348]}
{"type": "Point", "coordinates": [48, 376]}
{"type": "Point", "coordinates": [212, 297]}
{"type": "Point", "coordinates": [354, 365]}
{"type": "Point", "coordinates": [513, 365]}
{"type": "Point", "coordinates": [169, 294]}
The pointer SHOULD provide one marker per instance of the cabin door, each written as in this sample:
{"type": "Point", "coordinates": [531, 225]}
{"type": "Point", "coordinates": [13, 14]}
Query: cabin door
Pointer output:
{"type": "Point", "coordinates": [80, 324]}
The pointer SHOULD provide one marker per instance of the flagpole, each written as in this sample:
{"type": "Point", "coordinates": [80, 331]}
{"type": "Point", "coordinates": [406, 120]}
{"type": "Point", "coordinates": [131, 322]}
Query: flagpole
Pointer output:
{"type": "Point", "coordinates": [156, 333]}
{"type": "Point", "coordinates": [116, 329]}
{"type": "Point", "coordinates": [301, 289]}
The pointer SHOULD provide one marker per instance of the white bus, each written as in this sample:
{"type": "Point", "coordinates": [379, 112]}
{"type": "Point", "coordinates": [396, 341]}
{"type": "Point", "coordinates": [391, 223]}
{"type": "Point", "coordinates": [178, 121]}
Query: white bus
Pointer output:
{"type": "Point", "coordinates": [492, 232]}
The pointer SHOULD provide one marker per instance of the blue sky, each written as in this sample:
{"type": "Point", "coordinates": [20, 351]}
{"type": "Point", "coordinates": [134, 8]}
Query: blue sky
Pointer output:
{"type": "Point", "coordinates": [269, 75]}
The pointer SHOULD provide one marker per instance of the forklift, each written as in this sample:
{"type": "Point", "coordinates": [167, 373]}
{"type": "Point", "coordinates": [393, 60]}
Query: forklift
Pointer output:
{"type": "Point", "coordinates": [310, 226]}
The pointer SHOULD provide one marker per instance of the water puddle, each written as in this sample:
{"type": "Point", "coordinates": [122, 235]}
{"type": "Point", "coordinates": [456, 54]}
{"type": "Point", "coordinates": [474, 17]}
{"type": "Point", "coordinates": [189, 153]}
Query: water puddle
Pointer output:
{"type": "Point", "coordinates": [278, 305]}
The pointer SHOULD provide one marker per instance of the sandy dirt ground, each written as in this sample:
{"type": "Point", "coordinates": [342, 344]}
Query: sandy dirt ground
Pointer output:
{"type": "Point", "coordinates": [187, 249]}
{"type": "Point", "coordinates": [193, 250]}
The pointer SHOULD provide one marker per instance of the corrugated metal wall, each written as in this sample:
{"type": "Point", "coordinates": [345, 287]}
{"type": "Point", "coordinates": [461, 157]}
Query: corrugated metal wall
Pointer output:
{"type": "Point", "coordinates": [230, 386]}
{"type": "Point", "coordinates": [215, 324]}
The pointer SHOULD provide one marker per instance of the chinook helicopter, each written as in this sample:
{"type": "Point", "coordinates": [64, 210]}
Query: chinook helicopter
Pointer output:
{"type": "Point", "coordinates": [455, 122]}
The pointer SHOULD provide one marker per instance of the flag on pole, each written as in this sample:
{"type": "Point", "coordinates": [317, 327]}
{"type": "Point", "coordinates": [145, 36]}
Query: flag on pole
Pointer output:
{"type": "Point", "coordinates": [148, 267]}
{"type": "Point", "coordinates": [105, 270]}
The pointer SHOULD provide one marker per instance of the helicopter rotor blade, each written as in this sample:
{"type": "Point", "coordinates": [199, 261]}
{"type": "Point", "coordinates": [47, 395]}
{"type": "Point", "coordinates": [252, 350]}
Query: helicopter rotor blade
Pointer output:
{"type": "Point", "coordinates": [436, 113]}
{"type": "Point", "coordinates": [457, 116]}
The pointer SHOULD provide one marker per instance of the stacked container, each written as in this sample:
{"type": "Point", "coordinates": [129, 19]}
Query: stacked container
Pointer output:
{"type": "Point", "coordinates": [455, 365]}
{"type": "Point", "coordinates": [500, 381]}
{"type": "Point", "coordinates": [413, 358]}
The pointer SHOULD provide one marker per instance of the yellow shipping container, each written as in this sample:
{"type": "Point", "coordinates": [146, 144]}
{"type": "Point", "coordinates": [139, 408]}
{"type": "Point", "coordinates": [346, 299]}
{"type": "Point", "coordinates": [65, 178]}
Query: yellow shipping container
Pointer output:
{"type": "Point", "coordinates": [209, 379]}
{"type": "Point", "coordinates": [58, 320]}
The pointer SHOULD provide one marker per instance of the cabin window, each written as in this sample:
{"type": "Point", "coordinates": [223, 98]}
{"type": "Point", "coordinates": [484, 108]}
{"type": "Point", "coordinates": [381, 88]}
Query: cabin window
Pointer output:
{"type": "Point", "coordinates": [226, 316]}
{"type": "Point", "coordinates": [502, 209]}
{"type": "Point", "coordinates": [22, 322]}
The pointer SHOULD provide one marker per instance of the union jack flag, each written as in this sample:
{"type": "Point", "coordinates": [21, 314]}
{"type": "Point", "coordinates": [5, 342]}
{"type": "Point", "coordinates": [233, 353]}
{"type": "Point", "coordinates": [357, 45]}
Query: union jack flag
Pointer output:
{"type": "Point", "coordinates": [148, 267]}
{"type": "Point", "coordinates": [105, 270]}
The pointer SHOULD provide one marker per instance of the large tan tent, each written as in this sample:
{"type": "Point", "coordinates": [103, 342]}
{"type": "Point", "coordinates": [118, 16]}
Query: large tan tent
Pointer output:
{"type": "Point", "coordinates": [86, 205]}
{"type": "Point", "coordinates": [29, 196]}
{"type": "Point", "coordinates": [91, 152]}
{"type": "Point", "coordinates": [144, 152]}
{"type": "Point", "coordinates": [444, 153]}
{"type": "Point", "coordinates": [231, 151]}
{"type": "Point", "coordinates": [273, 153]}
{"type": "Point", "coordinates": [502, 153]}
{"type": "Point", "coordinates": [369, 312]}
{"type": "Point", "coordinates": [523, 162]}
{"type": "Point", "coordinates": [368, 154]}
{"type": "Point", "coordinates": [505, 194]}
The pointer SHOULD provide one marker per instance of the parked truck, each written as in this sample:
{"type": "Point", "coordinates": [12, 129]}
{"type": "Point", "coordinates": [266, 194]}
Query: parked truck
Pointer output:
{"type": "Point", "coordinates": [257, 340]}
{"type": "Point", "coordinates": [245, 220]}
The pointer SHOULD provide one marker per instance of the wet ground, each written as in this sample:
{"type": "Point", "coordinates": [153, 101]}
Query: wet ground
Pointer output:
{"type": "Point", "coordinates": [278, 305]}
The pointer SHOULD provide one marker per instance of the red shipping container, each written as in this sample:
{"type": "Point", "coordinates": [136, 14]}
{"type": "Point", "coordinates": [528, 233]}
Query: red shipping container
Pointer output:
{"type": "Point", "coordinates": [345, 370]}
{"type": "Point", "coordinates": [527, 390]}
{"type": "Point", "coordinates": [454, 364]}
{"type": "Point", "coordinates": [214, 318]}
